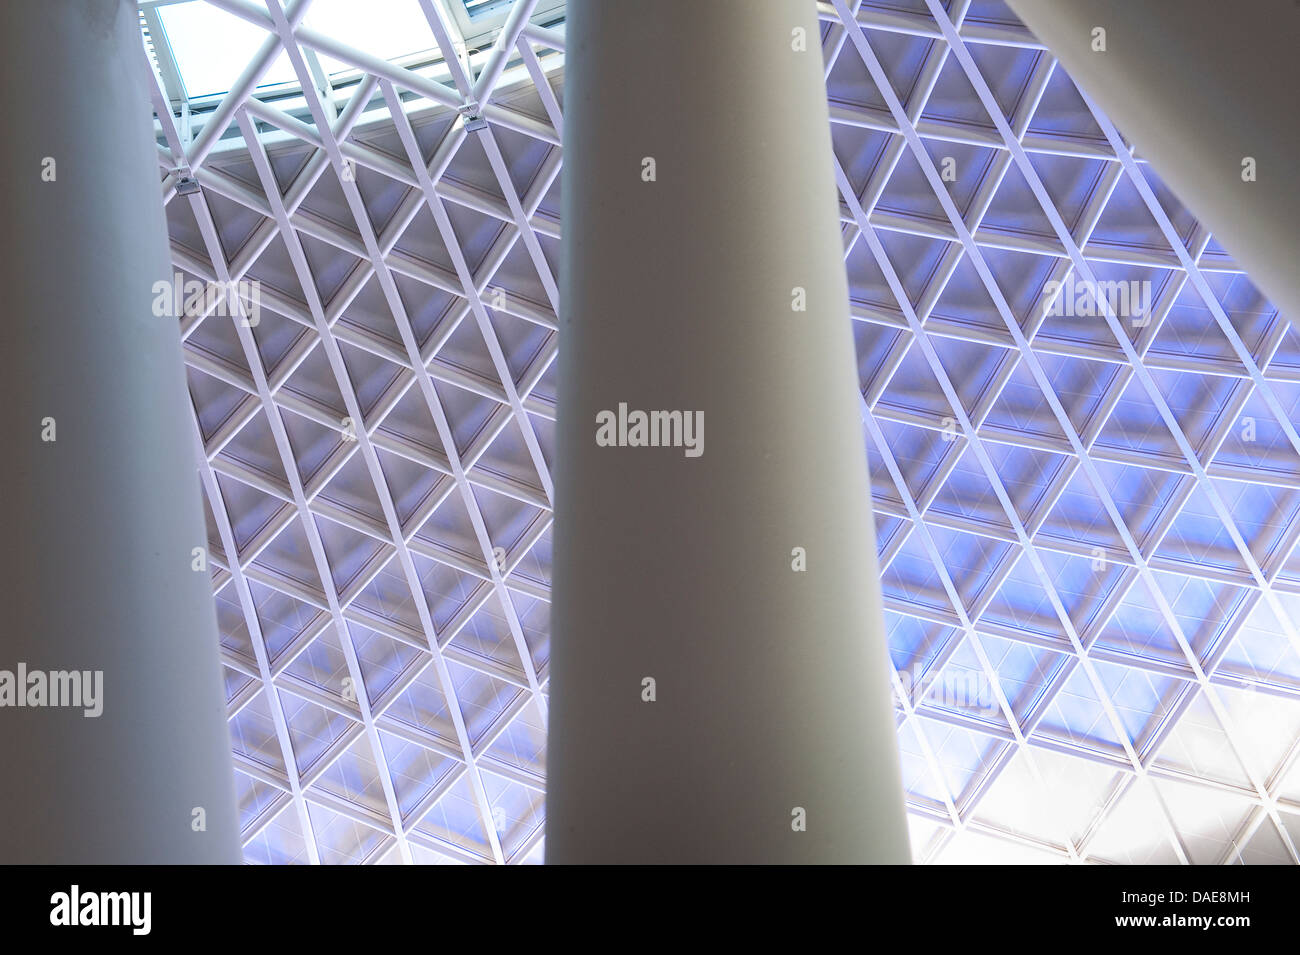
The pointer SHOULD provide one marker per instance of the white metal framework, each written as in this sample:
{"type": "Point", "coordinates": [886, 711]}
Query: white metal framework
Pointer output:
{"type": "Point", "coordinates": [1087, 523]}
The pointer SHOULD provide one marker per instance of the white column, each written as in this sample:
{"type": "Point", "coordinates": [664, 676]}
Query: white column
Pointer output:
{"type": "Point", "coordinates": [100, 522]}
{"type": "Point", "coordinates": [736, 570]}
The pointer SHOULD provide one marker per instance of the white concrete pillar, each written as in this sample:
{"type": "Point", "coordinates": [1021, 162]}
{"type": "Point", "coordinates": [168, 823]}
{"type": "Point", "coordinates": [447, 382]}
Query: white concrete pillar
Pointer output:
{"type": "Point", "coordinates": [703, 274]}
{"type": "Point", "coordinates": [98, 490]}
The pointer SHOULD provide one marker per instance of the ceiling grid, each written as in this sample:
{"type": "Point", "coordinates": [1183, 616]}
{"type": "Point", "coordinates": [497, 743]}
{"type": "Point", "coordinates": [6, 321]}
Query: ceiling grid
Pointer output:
{"type": "Point", "coordinates": [1087, 524]}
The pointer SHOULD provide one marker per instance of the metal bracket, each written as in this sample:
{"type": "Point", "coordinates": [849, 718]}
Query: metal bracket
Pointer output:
{"type": "Point", "coordinates": [469, 114]}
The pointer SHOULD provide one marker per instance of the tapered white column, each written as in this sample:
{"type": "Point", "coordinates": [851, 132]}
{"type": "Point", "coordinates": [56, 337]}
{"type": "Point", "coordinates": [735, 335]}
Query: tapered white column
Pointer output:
{"type": "Point", "coordinates": [98, 490]}
{"type": "Point", "coordinates": [718, 687]}
{"type": "Point", "coordinates": [1206, 91]}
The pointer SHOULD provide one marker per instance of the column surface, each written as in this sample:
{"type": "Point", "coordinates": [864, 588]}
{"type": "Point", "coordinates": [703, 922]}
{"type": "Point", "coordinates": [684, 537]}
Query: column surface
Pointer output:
{"type": "Point", "coordinates": [741, 579]}
{"type": "Point", "coordinates": [100, 522]}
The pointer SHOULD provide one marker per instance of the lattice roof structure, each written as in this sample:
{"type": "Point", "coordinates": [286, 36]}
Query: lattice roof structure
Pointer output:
{"type": "Point", "coordinates": [1087, 523]}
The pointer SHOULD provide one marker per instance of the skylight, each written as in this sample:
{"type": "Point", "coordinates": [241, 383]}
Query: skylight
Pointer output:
{"type": "Point", "coordinates": [478, 8]}
{"type": "Point", "coordinates": [212, 47]}
{"type": "Point", "coordinates": [389, 29]}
